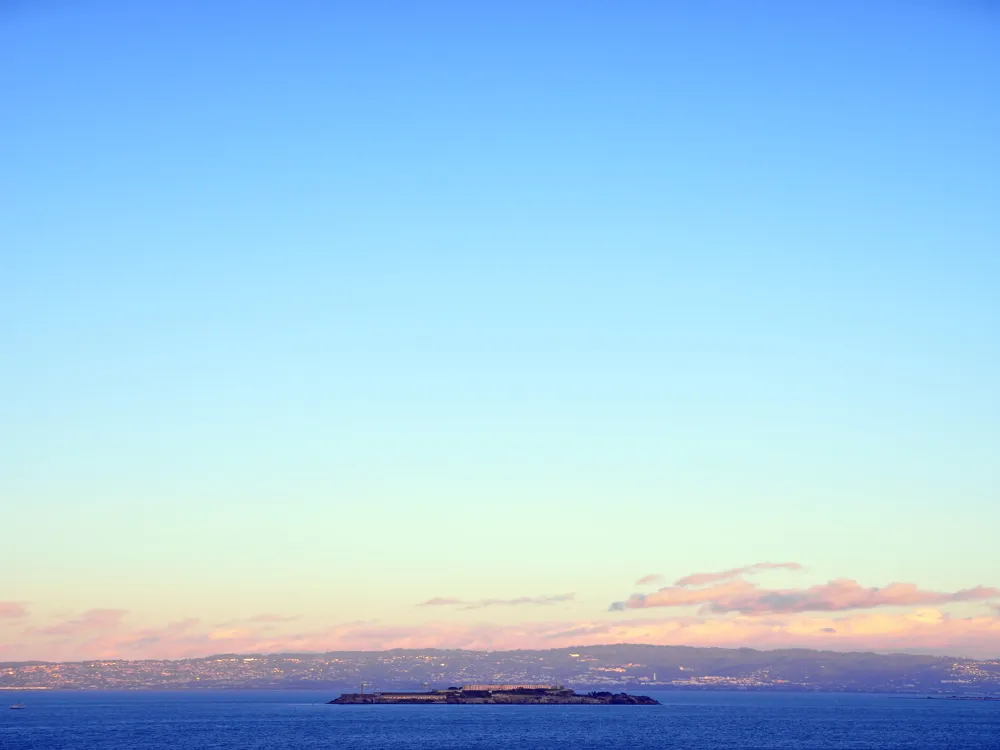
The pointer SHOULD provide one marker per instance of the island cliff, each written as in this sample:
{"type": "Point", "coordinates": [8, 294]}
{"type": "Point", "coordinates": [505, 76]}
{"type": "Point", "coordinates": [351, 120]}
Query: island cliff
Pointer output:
{"type": "Point", "coordinates": [499, 694]}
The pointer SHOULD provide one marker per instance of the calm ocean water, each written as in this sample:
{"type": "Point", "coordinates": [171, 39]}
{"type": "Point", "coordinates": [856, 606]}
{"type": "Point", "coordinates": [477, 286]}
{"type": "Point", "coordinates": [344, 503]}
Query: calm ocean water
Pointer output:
{"type": "Point", "coordinates": [245, 720]}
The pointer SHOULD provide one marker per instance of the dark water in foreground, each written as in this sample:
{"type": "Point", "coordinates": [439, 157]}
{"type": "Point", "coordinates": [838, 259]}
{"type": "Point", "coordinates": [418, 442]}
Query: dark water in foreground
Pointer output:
{"type": "Point", "coordinates": [245, 720]}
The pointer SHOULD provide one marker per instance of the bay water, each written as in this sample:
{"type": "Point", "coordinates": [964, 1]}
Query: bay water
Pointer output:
{"type": "Point", "coordinates": [287, 720]}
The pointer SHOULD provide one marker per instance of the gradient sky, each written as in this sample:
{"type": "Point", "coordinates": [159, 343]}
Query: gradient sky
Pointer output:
{"type": "Point", "coordinates": [312, 312]}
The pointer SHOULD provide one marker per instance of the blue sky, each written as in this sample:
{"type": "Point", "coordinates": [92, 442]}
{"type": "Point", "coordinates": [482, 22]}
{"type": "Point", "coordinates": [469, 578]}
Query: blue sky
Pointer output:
{"type": "Point", "coordinates": [643, 288]}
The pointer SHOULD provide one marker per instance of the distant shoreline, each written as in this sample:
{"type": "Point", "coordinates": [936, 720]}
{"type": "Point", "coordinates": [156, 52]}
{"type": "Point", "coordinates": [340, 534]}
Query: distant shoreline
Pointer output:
{"type": "Point", "coordinates": [963, 698]}
{"type": "Point", "coordinates": [633, 668]}
{"type": "Point", "coordinates": [321, 695]}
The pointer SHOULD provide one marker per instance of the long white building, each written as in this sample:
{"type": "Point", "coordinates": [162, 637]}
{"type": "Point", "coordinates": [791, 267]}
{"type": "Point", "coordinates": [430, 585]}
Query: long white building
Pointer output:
{"type": "Point", "coordinates": [500, 688]}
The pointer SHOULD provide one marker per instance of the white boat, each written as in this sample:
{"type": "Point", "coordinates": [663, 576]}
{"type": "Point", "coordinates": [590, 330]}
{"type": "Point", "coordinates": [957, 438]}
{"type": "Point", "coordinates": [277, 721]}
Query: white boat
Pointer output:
{"type": "Point", "coordinates": [17, 706]}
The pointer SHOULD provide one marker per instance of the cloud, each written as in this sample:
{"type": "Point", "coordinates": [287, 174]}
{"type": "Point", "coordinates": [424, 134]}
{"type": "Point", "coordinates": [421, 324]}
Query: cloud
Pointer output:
{"type": "Point", "coordinates": [578, 631]}
{"type": "Point", "coordinates": [678, 596]}
{"type": "Point", "coordinates": [13, 610]}
{"type": "Point", "coordinates": [841, 594]}
{"type": "Point", "coordinates": [931, 631]}
{"type": "Point", "coordinates": [271, 617]}
{"type": "Point", "coordinates": [93, 620]}
{"type": "Point", "coordinates": [700, 579]}
{"type": "Point", "coordinates": [732, 612]}
{"type": "Point", "coordinates": [440, 601]}
{"type": "Point", "coordinates": [927, 630]}
{"type": "Point", "coordinates": [152, 637]}
{"type": "Point", "coordinates": [647, 579]}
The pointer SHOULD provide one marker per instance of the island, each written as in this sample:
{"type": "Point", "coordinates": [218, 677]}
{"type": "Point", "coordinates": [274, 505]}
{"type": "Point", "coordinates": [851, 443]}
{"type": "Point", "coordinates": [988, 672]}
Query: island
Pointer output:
{"type": "Point", "coordinates": [522, 695]}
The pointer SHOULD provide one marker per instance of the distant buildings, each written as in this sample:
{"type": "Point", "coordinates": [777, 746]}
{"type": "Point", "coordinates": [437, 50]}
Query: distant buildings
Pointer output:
{"type": "Point", "coordinates": [500, 688]}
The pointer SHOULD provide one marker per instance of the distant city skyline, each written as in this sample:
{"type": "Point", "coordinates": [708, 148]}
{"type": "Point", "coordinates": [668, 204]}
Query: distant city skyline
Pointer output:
{"type": "Point", "coordinates": [656, 667]}
{"type": "Point", "coordinates": [504, 325]}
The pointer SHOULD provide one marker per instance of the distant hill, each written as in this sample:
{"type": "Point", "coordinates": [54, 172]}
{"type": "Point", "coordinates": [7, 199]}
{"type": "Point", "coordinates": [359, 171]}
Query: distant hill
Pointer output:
{"type": "Point", "coordinates": [619, 665]}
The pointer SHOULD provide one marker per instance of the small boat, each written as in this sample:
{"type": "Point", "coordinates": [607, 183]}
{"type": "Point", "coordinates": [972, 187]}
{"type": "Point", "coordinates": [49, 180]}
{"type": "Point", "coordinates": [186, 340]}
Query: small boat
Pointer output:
{"type": "Point", "coordinates": [17, 706]}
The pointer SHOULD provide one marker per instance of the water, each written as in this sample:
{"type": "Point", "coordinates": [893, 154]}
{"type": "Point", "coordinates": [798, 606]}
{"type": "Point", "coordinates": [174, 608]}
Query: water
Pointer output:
{"type": "Point", "coordinates": [255, 720]}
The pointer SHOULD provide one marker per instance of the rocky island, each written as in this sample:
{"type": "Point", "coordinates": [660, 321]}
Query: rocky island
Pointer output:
{"type": "Point", "coordinates": [500, 694]}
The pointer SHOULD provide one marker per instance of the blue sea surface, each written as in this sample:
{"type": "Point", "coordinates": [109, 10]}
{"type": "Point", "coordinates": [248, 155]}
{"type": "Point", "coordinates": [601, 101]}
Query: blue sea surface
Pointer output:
{"type": "Point", "coordinates": [249, 720]}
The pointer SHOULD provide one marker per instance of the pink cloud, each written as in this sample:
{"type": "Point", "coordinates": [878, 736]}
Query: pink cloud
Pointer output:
{"type": "Point", "coordinates": [731, 612]}
{"type": "Point", "coordinates": [700, 579]}
{"type": "Point", "coordinates": [842, 594]}
{"type": "Point", "coordinates": [648, 579]}
{"type": "Point", "coordinates": [271, 617]}
{"type": "Point", "coordinates": [544, 600]}
{"type": "Point", "coordinates": [678, 596]}
{"type": "Point", "coordinates": [152, 637]}
{"type": "Point", "coordinates": [13, 610]}
{"type": "Point", "coordinates": [932, 631]}
{"type": "Point", "coordinates": [928, 630]}
{"type": "Point", "coordinates": [93, 620]}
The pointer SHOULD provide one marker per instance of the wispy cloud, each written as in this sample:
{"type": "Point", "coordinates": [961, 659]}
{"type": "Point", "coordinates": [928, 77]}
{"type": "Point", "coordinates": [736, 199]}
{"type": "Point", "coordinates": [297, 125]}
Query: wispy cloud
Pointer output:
{"type": "Point", "coordinates": [700, 579]}
{"type": "Point", "coordinates": [648, 579]}
{"type": "Point", "coordinates": [272, 617]}
{"type": "Point", "coordinates": [679, 596]}
{"type": "Point", "coordinates": [150, 638]}
{"type": "Point", "coordinates": [842, 594]}
{"type": "Point", "coordinates": [840, 614]}
{"type": "Point", "coordinates": [13, 610]}
{"type": "Point", "coordinates": [927, 630]}
{"type": "Point", "coordinates": [546, 599]}
{"type": "Point", "coordinates": [91, 621]}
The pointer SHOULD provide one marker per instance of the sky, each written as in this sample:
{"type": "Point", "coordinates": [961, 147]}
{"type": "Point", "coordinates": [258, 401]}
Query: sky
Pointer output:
{"type": "Point", "coordinates": [497, 325]}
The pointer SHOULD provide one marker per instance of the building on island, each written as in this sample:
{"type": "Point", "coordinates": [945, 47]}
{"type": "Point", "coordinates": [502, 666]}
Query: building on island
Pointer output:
{"type": "Point", "coordinates": [505, 688]}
